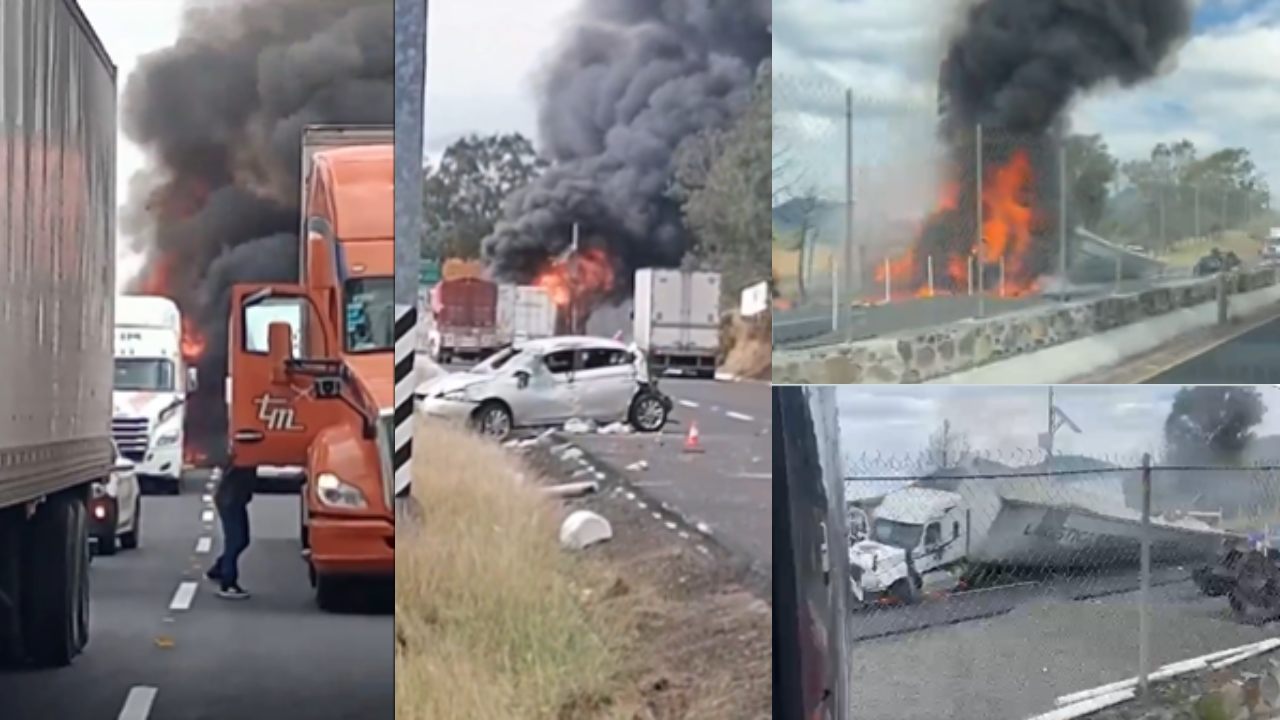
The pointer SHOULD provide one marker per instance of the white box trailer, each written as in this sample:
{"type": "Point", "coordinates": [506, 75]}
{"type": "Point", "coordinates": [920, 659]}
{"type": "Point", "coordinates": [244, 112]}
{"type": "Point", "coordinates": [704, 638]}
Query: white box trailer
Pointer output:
{"type": "Point", "coordinates": [525, 312]}
{"type": "Point", "coordinates": [677, 320]}
{"type": "Point", "coordinates": [57, 287]}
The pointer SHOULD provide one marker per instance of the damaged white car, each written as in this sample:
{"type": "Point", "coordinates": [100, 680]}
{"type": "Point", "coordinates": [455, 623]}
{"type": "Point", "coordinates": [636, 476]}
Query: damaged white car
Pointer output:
{"type": "Point", "coordinates": [547, 382]}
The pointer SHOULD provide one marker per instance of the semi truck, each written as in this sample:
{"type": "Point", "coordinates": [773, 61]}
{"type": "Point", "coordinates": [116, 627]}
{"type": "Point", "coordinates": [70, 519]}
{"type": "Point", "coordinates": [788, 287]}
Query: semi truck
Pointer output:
{"type": "Point", "coordinates": [57, 287]}
{"type": "Point", "coordinates": [677, 320]}
{"type": "Point", "coordinates": [150, 390]}
{"type": "Point", "coordinates": [464, 319]}
{"type": "Point", "coordinates": [310, 377]}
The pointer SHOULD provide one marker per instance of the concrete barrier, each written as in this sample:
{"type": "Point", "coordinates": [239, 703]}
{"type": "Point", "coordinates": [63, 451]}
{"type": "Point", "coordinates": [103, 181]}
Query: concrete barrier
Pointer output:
{"type": "Point", "coordinates": [1146, 319]}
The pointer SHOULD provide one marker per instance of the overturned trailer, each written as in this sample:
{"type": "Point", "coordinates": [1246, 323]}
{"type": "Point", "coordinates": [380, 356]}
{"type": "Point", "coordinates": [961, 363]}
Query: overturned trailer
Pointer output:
{"type": "Point", "coordinates": [948, 533]}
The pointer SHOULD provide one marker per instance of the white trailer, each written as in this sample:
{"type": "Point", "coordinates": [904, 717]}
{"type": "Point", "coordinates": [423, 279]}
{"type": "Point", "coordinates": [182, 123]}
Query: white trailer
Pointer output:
{"type": "Point", "coordinates": [677, 320]}
{"type": "Point", "coordinates": [525, 312]}
{"type": "Point", "coordinates": [150, 388]}
{"type": "Point", "coordinates": [57, 287]}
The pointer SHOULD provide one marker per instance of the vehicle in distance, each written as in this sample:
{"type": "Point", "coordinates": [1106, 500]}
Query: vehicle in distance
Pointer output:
{"type": "Point", "coordinates": [115, 508]}
{"type": "Point", "coordinates": [464, 313]}
{"type": "Point", "coordinates": [1271, 248]}
{"type": "Point", "coordinates": [547, 382]}
{"type": "Point", "coordinates": [677, 320]}
{"type": "Point", "coordinates": [150, 388]}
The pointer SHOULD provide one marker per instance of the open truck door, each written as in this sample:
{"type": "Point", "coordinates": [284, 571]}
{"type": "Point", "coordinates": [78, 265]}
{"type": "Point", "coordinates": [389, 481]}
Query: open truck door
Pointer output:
{"type": "Point", "coordinates": [278, 399]}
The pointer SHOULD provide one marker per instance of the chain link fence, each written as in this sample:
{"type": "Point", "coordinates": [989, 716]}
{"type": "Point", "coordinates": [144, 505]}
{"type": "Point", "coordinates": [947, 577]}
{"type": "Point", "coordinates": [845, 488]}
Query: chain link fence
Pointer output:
{"type": "Point", "coordinates": [949, 223]}
{"type": "Point", "coordinates": [1001, 585]}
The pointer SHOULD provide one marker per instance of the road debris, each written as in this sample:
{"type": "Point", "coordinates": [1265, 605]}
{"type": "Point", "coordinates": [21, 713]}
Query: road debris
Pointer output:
{"type": "Point", "coordinates": [617, 428]}
{"type": "Point", "coordinates": [583, 529]}
{"type": "Point", "coordinates": [638, 466]}
{"type": "Point", "coordinates": [579, 426]}
{"type": "Point", "coordinates": [571, 490]}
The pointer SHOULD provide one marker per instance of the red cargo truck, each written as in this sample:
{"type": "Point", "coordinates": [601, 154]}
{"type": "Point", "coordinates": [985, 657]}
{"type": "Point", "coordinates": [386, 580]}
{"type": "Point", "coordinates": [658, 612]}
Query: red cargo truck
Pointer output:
{"type": "Point", "coordinates": [464, 312]}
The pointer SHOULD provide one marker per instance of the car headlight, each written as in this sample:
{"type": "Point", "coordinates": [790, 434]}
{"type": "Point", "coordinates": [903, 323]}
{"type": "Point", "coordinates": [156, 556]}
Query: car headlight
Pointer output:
{"type": "Point", "coordinates": [167, 439]}
{"type": "Point", "coordinates": [455, 395]}
{"type": "Point", "coordinates": [332, 491]}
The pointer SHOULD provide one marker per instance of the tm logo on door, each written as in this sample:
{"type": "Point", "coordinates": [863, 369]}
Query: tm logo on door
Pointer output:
{"type": "Point", "coordinates": [277, 414]}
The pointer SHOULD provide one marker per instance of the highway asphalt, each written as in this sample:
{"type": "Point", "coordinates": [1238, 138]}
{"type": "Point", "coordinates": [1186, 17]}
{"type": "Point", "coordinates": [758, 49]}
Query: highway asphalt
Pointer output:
{"type": "Point", "coordinates": [1253, 357]}
{"type": "Point", "coordinates": [727, 486]}
{"type": "Point", "coordinates": [163, 646]}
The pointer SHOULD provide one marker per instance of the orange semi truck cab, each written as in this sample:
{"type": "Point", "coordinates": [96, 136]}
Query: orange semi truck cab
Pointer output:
{"type": "Point", "coordinates": [310, 375]}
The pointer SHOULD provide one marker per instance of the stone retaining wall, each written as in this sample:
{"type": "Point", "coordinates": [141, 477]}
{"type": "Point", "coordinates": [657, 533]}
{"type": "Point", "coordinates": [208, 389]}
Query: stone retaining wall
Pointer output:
{"type": "Point", "coordinates": [929, 353]}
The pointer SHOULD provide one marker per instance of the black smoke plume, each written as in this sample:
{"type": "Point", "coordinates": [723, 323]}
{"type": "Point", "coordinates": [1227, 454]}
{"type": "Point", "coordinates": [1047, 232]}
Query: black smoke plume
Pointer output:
{"type": "Point", "coordinates": [220, 114]}
{"type": "Point", "coordinates": [1014, 67]}
{"type": "Point", "coordinates": [633, 79]}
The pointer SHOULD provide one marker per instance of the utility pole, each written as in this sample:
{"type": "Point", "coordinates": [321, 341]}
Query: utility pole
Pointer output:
{"type": "Point", "coordinates": [573, 282]}
{"type": "Point", "coordinates": [1196, 188]}
{"type": "Point", "coordinates": [850, 274]}
{"type": "Point", "coordinates": [1062, 210]}
{"type": "Point", "coordinates": [1049, 443]}
{"type": "Point", "coordinates": [982, 240]}
{"type": "Point", "coordinates": [410, 88]}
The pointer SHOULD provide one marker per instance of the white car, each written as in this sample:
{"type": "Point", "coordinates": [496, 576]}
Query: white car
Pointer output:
{"type": "Point", "coordinates": [547, 382]}
{"type": "Point", "coordinates": [115, 507]}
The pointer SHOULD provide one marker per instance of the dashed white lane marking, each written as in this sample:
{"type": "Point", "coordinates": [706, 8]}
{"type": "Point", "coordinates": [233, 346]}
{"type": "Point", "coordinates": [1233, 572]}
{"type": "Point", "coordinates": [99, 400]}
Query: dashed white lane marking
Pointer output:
{"type": "Point", "coordinates": [739, 416]}
{"type": "Point", "coordinates": [203, 545]}
{"type": "Point", "coordinates": [689, 403]}
{"type": "Point", "coordinates": [137, 705]}
{"type": "Point", "coordinates": [206, 516]}
{"type": "Point", "coordinates": [206, 498]}
{"type": "Point", "coordinates": [183, 596]}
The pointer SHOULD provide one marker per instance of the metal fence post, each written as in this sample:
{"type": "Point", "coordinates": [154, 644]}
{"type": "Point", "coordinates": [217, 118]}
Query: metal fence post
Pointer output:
{"type": "Point", "coordinates": [1144, 590]}
{"type": "Point", "coordinates": [410, 87]}
{"type": "Point", "coordinates": [1223, 303]}
{"type": "Point", "coordinates": [982, 239]}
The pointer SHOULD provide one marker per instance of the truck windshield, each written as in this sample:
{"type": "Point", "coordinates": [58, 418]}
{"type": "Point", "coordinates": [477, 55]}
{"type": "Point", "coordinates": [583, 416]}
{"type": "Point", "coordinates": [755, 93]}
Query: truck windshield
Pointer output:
{"type": "Point", "coordinates": [145, 374]}
{"type": "Point", "coordinates": [901, 535]}
{"type": "Point", "coordinates": [369, 322]}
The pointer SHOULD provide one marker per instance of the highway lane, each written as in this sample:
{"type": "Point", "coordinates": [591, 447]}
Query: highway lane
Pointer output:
{"type": "Point", "coordinates": [727, 486]}
{"type": "Point", "coordinates": [1252, 357]}
{"type": "Point", "coordinates": [159, 652]}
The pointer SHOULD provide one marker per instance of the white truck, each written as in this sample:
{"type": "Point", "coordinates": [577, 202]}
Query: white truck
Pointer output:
{"type": "Point", "coordinates": [677, 320]}
{"type": "Point", "coordinates": [58, 88]}
{"type": "Point", "coordinates": [922, 538]}
{"type": "Point", "coordinates": [1271, 248]}
{"type": "Point", "coordinates": [525, 312]}
{"type": "Point", "coordinates": [150, 389]}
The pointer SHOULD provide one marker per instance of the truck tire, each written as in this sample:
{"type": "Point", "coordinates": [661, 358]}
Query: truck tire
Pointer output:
{"type": "Point", "coordinates": [904, 591]}
{"type": "Point", "coordinates": [129, 540]}
{"type": "Point", "coordinates": [55, 603]}
{"type": "Point", "coordinates": [329, 593]}
{"type": "Point", "coordinates": [11, 540]}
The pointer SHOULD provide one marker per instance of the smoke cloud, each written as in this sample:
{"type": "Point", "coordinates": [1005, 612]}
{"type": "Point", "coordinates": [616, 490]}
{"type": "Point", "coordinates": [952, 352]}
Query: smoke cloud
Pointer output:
{"type": "Point", "coordinates": [221, 114]}
{"type": "Point", "coordinates": [1014, 67]}
{"type": "Point", "coordinates": [633, 80]}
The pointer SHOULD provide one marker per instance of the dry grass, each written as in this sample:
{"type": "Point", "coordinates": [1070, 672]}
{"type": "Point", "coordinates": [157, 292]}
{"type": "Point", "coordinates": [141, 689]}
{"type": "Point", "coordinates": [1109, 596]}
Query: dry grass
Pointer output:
{"type": "Point", "coordinates": [489, 620]}
{"type": "Point", "coordinates": [748, 350]}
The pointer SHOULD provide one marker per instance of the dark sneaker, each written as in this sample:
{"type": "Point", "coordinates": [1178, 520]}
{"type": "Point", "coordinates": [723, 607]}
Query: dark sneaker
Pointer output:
{"type": "Point", "coordinates": [212, 575]}
{"type": "Point", "coordinates": [233, 592]}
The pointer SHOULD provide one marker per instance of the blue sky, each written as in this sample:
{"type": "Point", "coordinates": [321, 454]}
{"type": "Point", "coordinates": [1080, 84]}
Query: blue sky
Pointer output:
{"type": "Point", "coordinates": [1222, 89]}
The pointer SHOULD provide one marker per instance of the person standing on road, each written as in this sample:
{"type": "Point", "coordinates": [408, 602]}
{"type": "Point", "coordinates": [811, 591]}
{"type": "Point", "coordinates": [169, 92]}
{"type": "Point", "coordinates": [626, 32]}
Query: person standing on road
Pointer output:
{"type": "Point", "coordinates": [232, 498]}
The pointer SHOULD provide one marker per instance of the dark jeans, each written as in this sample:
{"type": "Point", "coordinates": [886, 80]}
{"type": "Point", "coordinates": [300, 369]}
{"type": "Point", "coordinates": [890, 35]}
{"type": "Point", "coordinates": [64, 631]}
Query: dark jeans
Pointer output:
{"type": "Point", "coordinates": [235, 539]}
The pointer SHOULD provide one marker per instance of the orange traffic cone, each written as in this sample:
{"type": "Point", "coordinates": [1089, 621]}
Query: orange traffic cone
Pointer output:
{"type": "Point", "coordinates": [691, 442]}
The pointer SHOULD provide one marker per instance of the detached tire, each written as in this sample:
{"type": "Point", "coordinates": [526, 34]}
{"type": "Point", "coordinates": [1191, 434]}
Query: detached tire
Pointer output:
{"type": "Point", "coordinates": [55, 601]}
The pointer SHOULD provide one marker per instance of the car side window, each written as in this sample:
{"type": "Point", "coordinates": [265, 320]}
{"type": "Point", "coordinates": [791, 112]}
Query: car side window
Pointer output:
{"type": "Point", "coordinates": [560, 362]}
{"type": "Point", "coordinates": [597, 358]}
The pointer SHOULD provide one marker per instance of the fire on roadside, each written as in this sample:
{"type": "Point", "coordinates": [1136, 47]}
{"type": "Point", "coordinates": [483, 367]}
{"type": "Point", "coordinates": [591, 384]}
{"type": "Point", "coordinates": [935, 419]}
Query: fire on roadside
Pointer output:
{"type": "Point", "coordinates": [1008, 220]}
{"type": "Point", "coordinates": [588, 276]}
{"type": "Point", "coordinates": [157, 281]}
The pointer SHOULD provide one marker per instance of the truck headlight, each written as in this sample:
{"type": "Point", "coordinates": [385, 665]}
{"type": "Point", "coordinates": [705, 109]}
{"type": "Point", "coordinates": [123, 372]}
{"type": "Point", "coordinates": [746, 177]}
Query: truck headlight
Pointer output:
{"type": "Point", "coordinates": [167, 439]}
{"type": "Point", "coordinates": [332, 491]}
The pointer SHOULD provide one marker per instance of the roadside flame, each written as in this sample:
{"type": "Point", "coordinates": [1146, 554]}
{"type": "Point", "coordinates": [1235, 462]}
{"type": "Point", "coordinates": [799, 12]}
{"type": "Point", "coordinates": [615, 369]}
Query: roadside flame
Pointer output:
{"type": "Point", "coordinates": [193, 343]}
{"type": "Point", "coordinates": [588, 276]}
{"type": "Point", "coordinates": [1008, 218]}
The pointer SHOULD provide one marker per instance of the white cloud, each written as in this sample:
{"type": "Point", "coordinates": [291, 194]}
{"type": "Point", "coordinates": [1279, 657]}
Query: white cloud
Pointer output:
{"type": "Point", "coordinates": [482, 59]}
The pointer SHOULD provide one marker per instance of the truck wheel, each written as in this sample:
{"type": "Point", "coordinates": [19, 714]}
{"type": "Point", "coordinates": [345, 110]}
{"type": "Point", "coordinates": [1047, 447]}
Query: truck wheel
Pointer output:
{"type": "Point", "coordinates": [328, 593]}
{"type": "Point", "coordinates": [647, 413]}
{"type": "Point", "coordinates": [903, 591]}
{"type": "Point", "coordinates": [55, 602]}
{"type": "Point", "coordinates": [129, 540]}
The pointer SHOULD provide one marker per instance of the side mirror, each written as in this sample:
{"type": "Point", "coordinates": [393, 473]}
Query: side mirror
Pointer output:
{"type": "Point", "coordinates": [279, 350]}
{"type": "Point", "coordinates": [522, 379]}
{"type": "Point", "coordinates": [193, 380]}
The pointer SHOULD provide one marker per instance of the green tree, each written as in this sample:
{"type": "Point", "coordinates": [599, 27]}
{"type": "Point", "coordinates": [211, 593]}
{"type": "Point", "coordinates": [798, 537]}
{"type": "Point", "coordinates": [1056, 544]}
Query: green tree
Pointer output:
{"type": "Point", "coordinates": [464, 193]}
{"type": "Point", "coordinates": [1091, 170]}
{"type": "Point", "coordinates": [723, 182]}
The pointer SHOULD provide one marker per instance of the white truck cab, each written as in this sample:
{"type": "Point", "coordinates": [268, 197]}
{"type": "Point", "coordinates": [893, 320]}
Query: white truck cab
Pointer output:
{"type": "Point", "coordinates": [916, 537]}
{"type": "Point", "coordinates": [150, 388]}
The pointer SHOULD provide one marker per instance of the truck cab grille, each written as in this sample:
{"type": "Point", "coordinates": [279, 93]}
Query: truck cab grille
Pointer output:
{"type": "Point", "coordinates": [131, 435]}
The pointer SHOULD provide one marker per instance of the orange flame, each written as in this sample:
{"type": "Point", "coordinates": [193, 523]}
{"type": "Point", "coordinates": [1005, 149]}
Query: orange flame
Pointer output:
{"type": "Point", "coordinates": [589, 275]}
{"type": "Point", "coordinates": [193, 343]}
{"type": "Point", "coordinates": [1007, 224]}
